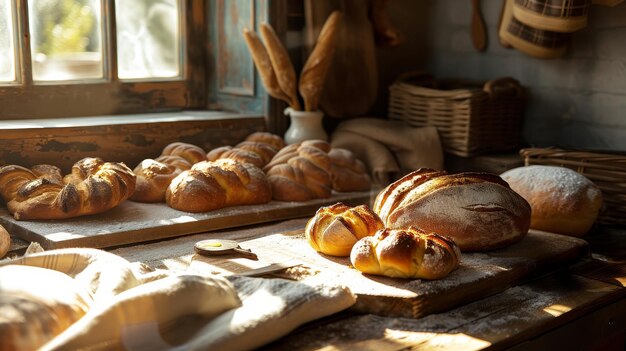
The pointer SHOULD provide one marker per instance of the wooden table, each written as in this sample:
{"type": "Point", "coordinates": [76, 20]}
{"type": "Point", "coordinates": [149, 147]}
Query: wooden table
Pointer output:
{"type": "Point", "coordinates": [578, 307]}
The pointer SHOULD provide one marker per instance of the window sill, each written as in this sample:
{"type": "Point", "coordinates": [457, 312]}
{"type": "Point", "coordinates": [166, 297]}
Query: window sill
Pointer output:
{"type": "Point", "coordinates": [125, 138]}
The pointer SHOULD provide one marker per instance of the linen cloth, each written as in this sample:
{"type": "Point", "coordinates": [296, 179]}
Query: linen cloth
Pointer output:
{"type": "Point", "coordinates": [132, 307]}
{"type": "Point", "coordinates": [389, 149]}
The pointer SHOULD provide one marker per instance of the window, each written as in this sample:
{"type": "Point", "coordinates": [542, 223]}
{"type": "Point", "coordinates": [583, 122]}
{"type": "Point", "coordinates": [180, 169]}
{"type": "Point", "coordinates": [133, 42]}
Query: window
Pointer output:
{"type": "Point", "coordinates": [64, 58]}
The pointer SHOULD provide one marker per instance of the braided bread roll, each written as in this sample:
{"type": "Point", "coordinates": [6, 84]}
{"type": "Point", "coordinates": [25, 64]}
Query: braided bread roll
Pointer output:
{"type": "Point", "coordinates": [94, 186]}
{"type": "Point", "coordinates": [259, 148]}
{"type": "Point", "coordinates": [479, 211]}
{"type": "Point", "coordinates": [333, 230]}
{"type": "Point", "coordinates": [301, 172]}
{"type": "Point", "coordinates": [211, 185]}
{"type": "Point", "coordinates": [192, 153]}
{"type": "Point", "coordinates": [267, 138]}
{"type": "Point", "coordinates": [406, 253]}
{"type": "Point", "coordinates": [348, 173]}
{"type": "Point", "coordinates": [153, 178]}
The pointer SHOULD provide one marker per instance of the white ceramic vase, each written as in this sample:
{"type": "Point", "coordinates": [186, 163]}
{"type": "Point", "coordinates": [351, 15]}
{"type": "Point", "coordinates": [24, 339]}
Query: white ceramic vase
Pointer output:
{"type": "Point", "coordinates": [305, 125]}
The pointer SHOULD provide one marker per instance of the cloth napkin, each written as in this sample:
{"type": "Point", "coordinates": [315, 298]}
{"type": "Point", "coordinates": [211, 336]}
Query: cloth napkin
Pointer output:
{"type": "Point", "coordinates": [390, 149]}
{"type": "Point", "coordinates": [132, 307]}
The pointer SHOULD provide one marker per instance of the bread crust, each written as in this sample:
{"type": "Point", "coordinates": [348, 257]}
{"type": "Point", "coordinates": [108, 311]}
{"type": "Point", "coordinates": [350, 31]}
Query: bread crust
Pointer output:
{"type": "Point", "coordinates": [347, 172]}
{"type": "Point", "coordinates": [211, 185]}
{"type": "Point", "coordinates": [478, 211]}
{"type": "Point", "coordinates": [562, 200]}
{"type": "Point", "coordinates": [333, 230]}
{"type": "Point", "coordinates": [406, 253]}
{"type": "Point", "coordinates": [94, 186]}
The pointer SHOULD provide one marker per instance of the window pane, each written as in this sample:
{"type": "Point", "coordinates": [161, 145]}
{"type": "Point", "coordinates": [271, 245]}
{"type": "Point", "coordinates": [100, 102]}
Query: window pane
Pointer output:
{"type": "Point", "coordinates": [66, 39]}
{"type": "Point", "coordinates": [148, 38]}
{"type": "Point", "coordinates": [7, 53]}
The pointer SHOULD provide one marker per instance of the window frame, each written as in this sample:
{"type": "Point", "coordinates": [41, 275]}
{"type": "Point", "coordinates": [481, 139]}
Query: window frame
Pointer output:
{"type": "Point", "coordinates": [109, 96]}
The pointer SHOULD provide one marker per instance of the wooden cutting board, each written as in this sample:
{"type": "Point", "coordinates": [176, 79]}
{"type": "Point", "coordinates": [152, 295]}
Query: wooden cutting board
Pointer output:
{"type": "Point", "coordinates": [133, 222]}
{"type": "Point", "coordinates": [480, 274]}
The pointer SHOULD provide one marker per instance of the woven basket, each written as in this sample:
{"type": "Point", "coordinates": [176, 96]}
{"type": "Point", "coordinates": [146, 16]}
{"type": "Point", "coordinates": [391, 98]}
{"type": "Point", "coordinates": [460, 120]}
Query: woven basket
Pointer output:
{"type": "Point", "coordinates": [607, 171]}
{"type": "Point", "coordinates": [564, 16]}
{"type": "Point", "coordinates": [472, 118]}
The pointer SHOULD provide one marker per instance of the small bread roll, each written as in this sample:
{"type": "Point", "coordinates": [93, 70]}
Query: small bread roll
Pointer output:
{"type": "Point", "coordinates": [406, 253]}
{"type": "Point", "coordinates": [562, 200]}
{"type": "Point", "coordinates": [335, 229]}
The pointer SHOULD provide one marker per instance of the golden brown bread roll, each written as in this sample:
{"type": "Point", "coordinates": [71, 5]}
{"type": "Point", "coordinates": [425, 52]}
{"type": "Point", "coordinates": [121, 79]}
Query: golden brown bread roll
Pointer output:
{"type": "Point", "coordinates": [5, 241]}
{"type": "Point", "coordinates": [94, 186]}
{"type": "Point", "coordinates": [268, 138]}
{"type": "Point", "coordinates": [211, 185]}
{"type": "Point", "coordinates": [153, 178]}
{"type": "Point", "coordinates": [333, 230]}
{"type": "Point", "coordinates": [347, 172]}
{"type": "Point", "coordinates": [175, 161]}
{"type": "Point", "coordinates": [406, 253]}
{"type": "Point", "coordinates": [479, 211]}
{"type": "Point", "coordinates": [192, 153]}
{"type": "Point", "coordinates": [562, 200]}
{"type": "Point", "coordinates": [301, 172]}
{"type": "Point", "coordinates": [259, 148]}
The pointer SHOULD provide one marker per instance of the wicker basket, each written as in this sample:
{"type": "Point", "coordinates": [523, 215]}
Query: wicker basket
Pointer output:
{"type": "Point", "coordinates": [607, 171]}
{"type": "Point", "coordinates": [472, 117]}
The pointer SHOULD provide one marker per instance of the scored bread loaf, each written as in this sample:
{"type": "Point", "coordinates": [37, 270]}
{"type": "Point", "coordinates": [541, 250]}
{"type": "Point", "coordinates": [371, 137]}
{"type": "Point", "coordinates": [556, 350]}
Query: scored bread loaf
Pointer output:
{"type": "Point", "coordinates": [479, 211]}
{"type": "Point", "coordinates": [348, 173]}
{"type": "Point", "coordinates": [211, 185]}
{"type": "Point", "coordinates": [94, 186]}
{"type": "Point", "coordinates": [301, 172]}
{"type": "Point", "coordinates": [406, 253]}
{"type": "Point", "coordinates": [267, 138]}
{"type": "Point", "coordinates": [333, 230]}
{"type": "Point", "coordinates": [562, 200]}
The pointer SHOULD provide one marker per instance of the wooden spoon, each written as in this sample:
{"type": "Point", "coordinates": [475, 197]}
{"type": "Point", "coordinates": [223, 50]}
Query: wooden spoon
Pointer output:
{"type": "Point", "coordinates": [479, 33]}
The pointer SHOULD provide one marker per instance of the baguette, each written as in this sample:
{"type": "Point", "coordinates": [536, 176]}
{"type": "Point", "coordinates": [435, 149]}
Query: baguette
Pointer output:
{"type": "Point", "coordinates": [264, 65]}
{"type": "Point", "coordinates": [316, 67]}
{"type": "Point", "coordinates": [285, 73]}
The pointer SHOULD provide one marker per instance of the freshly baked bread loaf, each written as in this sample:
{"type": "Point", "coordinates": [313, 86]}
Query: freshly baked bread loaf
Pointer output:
{"type": "Point", "coordinates": [37, 304]}
{"type": "Point", "coordinates": [94, 186]}
{"type": "Point", "coordinates": [301, 172]}
{"type": "Point", "coordinates": [259, 148]}
{"type": "Point", "coordinates": [267, 138]}
{"type": "Point", "coordinates": [479, 211]}
{"type": "Point", "coordinates": [347, 172]}
{"type": "Point", "coordinates": [175, 161]}
{"type": "Point", "coordinates": [192, 153]}
{"type": "Point", "coordinates": [211, 185]}
{"type": "Point", "coordinates": [5, 241]}
{"type": "Point", "coordinates": [562, 200]}
{"type": "Point", "coordinates": [236, 154]}
{"type": "Point", "coordinates": [333, 230]}
{"type": "Point", "coordinates": [153, 178]}
{"type": "Point", "coordinates": [406, 253]}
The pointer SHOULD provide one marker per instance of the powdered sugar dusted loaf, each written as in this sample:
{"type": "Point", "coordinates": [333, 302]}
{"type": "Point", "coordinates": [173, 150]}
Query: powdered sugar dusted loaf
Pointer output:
{"type": "Point", "coordinates": [562, 200]}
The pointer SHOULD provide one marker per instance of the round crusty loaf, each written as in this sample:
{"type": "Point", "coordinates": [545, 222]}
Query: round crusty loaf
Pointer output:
{"type": "Point", "coordinates": [333, 230]}
{"type": "Point", "coordinates": [562, 200]}
{"type": "Point", "coordinates": [406, 253]}
{"type": "Point", "coordinates": [479, 211]}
